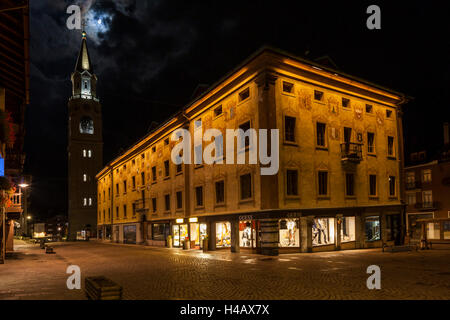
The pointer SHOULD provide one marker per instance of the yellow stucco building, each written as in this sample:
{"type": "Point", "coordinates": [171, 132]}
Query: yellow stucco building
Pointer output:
{"type": "Point", "coordinates": [338, 185]}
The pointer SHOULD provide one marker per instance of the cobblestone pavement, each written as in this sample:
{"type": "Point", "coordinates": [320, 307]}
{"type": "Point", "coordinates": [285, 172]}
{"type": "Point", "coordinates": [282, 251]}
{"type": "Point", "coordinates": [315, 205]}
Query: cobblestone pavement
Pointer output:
{"type": "Point", "coordinates": [161, 273]}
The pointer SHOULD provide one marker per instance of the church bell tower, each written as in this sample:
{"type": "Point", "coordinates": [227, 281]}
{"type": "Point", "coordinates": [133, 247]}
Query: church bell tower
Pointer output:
{"type": "Point", "coordinates": [85, 147]}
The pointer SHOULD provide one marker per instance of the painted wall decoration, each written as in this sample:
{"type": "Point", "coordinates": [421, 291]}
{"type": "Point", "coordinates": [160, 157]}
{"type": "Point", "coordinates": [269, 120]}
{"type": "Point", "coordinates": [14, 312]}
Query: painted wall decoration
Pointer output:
{"type": "Point", "coordinates": [304, 99]}
{"type": "Point", "coordinates": [380, 120]}
{"type": "Point", "coordinates": [333, 105]}
{"type": "Point", "coordinates": [358, 112]}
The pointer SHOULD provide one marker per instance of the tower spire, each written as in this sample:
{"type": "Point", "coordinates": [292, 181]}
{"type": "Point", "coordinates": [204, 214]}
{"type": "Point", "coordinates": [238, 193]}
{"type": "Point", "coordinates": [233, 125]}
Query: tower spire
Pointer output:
{"type": "Point", "coordinates": [84, 61]}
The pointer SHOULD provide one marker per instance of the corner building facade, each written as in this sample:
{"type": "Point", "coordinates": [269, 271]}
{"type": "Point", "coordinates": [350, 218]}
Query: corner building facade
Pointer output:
{"type": "Point", "coordinates": [338, 183]}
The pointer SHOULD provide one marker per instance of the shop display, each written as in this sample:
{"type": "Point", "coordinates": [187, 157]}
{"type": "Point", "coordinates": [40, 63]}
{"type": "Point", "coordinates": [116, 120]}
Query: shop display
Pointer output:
{"type": "Point", "coordinates": [203, 233]}
{"type": "Point", "coordinates": [160, 231]}
{"type": "Point", "coordinates": [433, 230]}
{"type": "Point", "coordinates": [323, 231]}
{"type": "Point", "coordinates": [289, 233]}
{"type": "Point", "coordinates": [348, 229]}
{"type": "Point", "coordinates": [176, 236]}
{"type": "Point", "coordinates": [194, 234]}
{"type": "Point", "coordinates": [245, 234]}
{"type": "Point", "coordinates": [223, 234]}
{"type": "Point", "coordinates": [372, 226]}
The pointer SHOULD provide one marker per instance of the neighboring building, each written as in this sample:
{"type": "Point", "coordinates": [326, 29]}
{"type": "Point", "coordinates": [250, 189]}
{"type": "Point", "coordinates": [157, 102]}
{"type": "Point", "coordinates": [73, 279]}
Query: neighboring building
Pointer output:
{"type": "Point", "coordinates": [14, 97]}
{"type": "Point", "coordinates": [85, 147]}
{"type": "Point", "coordinates": [56, 227]}
{"type": "Point", "coordinates": [339, 178]}
{"type": "Point", "coordinates": [427, 194]}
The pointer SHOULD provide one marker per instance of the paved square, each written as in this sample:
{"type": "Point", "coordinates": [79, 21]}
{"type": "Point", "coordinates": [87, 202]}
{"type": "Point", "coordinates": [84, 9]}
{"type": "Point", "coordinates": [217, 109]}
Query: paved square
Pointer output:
{"type": "Point", "coordinates": [161, 273]}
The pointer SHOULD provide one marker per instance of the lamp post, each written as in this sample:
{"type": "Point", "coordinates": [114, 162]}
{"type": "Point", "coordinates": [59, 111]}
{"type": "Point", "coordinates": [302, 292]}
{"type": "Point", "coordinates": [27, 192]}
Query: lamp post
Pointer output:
{"type": "Point", "coordinates": [24, 225]}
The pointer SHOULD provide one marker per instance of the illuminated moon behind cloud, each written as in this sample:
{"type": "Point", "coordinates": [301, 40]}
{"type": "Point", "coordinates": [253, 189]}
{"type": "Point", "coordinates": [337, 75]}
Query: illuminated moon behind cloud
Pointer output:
{"type": "Point", "coordinates": [96, 23]}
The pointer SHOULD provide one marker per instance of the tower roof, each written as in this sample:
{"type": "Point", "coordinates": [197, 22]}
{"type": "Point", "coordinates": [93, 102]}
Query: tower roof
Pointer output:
{"type": "Point", "coordinates": [83, 61]}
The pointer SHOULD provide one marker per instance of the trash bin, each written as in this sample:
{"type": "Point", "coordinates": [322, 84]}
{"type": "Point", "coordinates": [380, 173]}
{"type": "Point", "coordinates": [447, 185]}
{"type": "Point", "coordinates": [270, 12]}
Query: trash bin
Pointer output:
{"type": "Point", "coordinates": [186, 244]}
{"type": "Point", "coordinates": [205, 244]}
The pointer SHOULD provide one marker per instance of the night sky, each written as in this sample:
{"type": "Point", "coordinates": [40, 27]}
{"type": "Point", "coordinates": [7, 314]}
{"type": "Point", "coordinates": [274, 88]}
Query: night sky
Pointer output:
{"type": "Point", "coordinates": [149, 56]}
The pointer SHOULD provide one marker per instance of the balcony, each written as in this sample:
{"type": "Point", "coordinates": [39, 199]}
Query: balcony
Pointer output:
{"type": "Point", "coordinates": [413, 185]}
{"type": "Point", "coordinates": [429, 205]}
{"type": "Point", "coordinates": [351, 152]}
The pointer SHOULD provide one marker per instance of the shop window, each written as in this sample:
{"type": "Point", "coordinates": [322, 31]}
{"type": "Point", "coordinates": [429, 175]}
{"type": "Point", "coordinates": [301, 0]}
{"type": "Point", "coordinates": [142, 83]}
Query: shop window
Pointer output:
{"type": "Point", "coordinates": [160, 231]}
{"type": "Point", "coordinates": [292, 182]}
{"type": "Point", "coordinates": [446, 229]}
{"type": "Point", "coordinates": [246, 186]}
{"type": "Point", "coordinates": [348, 229]}
{"type": "Point", "coordinates": [323, 231]}
{"type": "Point", "coordinates": [289, 129]}
{"type": "Point", "coordinates": [433, 230]}
{"type": "Point", "coordinates": [223, 235]}
{"type": "Point", "coordinates": [370, 142]}
{"type": "Point", "coordinates": [349, 184]}
{"type": "Point", "coordinates": [414, 228]}
{"type": "Point", "coordinates": [167, 202]}
{"type": "Point", "coordinates": [320, 128]}
{"type": "Point", "coordinates": [199, 196]}
{"type": "Point", "coordinates": [372, 185]}
{"type": "Point", "coordinates": [323, 183]}
{"type": "Point", "coordinates": [179, 199]}
{"type": "Point", "coordinates": [393, 226]}
{"type": "Point", "coordinates": [247, 234]}
{"type": "Point", "coordinates": [220, 192]}
{"type": "Point", "coordinates": [289, 233]}
{"type": "Point", "coordinates": [372, 228]}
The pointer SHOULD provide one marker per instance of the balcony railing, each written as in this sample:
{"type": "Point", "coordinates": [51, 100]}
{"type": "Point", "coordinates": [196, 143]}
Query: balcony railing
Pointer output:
{"type": "Point", "coordinates": [413, 185]}
{"type": "Point", "coordinates": [351, 152]}
{"type": "Point", "coordinates": [427, 205]}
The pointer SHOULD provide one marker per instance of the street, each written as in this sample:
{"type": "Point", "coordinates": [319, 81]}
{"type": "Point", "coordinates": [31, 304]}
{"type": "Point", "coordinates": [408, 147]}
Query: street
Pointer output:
{"type": "Point", "coordinates": [161, 273]}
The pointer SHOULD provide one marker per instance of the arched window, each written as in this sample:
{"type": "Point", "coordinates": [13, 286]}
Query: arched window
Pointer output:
{"type": "Point", "coordinates": [84, 177]}
{"type": "Point", "coordinates": [87, 125]}
{"type": "Point", "coordinates": [89, 153]}
{"type": "Point", "coordinates": [84, 153]}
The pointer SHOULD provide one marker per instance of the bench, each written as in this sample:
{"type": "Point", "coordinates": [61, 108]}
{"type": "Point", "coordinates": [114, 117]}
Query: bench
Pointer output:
{"type": "Point", "coordinates": [101, 288]}
{"type": "Point", "coordinates": [437, 241]}
{"type": "Point", "coordinates": [402, 248]}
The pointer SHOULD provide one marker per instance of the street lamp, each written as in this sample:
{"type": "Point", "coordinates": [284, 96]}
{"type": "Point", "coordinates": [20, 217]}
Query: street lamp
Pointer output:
{"type": "Point", "coordinates": [24, 186]}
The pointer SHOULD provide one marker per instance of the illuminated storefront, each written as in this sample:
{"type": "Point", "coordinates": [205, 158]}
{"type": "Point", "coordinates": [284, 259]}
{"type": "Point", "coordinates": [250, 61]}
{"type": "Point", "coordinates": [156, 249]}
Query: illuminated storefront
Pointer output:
{"type": "Point", "coordinates": [179, 233]}
{"type": "Point", "coordinates": [289, 233]}
{"type": "Point", "coordinates": [348, 229]}
{"type": "Point", "coordinates": [323, 231]}
{"type": "Point", "coordinates": [372, 228]}
{"type": "Point", "coordinates": [247, 234]}
{"type": "Point", "coordinates": [223, 234]}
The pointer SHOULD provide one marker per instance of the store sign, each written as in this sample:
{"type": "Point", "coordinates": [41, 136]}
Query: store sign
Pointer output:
{"type": "Point", "coordinates": [193, 219]}
{"type": "Point", "coordinates": [248, 217]}
{"type": "Point", "coordinates": [179, 220]}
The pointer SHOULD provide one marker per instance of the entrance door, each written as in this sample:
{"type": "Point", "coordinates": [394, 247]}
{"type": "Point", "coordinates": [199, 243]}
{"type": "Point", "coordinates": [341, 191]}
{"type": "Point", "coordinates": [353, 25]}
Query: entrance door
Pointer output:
{"type": "Point", "coordinates": [394, 228]}
{"type": "Point", "coordinates": [129, 234]}
{"type": "Point", "coordinates": [176, 235]}
{"type": "Point", "coordinates": [203, 233]}
{"type": "Point", "coordinates": [195, 237]}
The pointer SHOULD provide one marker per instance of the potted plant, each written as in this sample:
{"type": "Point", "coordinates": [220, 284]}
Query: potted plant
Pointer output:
{"type": "Point", "coordinates": [169, 241]}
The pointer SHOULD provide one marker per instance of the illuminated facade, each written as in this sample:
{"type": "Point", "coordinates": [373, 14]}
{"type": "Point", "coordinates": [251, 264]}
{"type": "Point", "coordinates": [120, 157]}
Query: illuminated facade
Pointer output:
{"type": "Point", "coordinates": [85, 147]}
{"type": "Point", "coordinates": [338, 184]}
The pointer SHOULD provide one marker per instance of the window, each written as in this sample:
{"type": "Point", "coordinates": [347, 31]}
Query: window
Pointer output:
{"type": "Point", "coordinates": [323, 183]}
{"type": "Point", "coordinates": [89, 153]}
{"type": "Point", "coordinates": [117, 212]}
{"type": "Point", "coordinates": [166, 168]}
{"type": "Point", "coordinates": [349, 184]}
{"type": "Point", "coordinates": [143, 156]}
{"type": "Point", "coordinates": [292, 182]}
{"type": "Point", "coordinates": [370, 142]}
{"type": "Point", "coordinates": [323, 231]}
{"type": "Point", "coordinates": [246, 186]}
{"type": "Point", "coordinates": [244, 94]}
{"type": "Point", "coordinates": [426, 175]}
{"type": "Point", "coordinates": [117, 188]}
{"type": "Point", "coordinates": [392, 186]}
{"type": "Point", "coordinates": [321, 134]}
{"type": "Point", "coordinates": [372, 228]}
{"type": "Point", "coordinates": [85, 177]}
{"type": "Point", "coordinates": [289, 129]}
{"type": "Point", "coordinates": [289, 234]}
{"type": "Point", "coordinates": [288, 87]}
{"type": "Point", "coordinates": [411, 198]}
{"type": "Point", "coordinates": [84, 153]}
{"type": "Point", "coordinates": [369, 108]}
{"type": "Point", "coordinates": [348, 232]}
{"type": "Point", "coordinates": [427, 198]}
{"type": "Point", "coordinates": [104, 197]}
{"type": "Point", "coordinates": [124, 210]}
{"type": "Point", "coordinates": [433, 230]}
{"type": "Point", "coordinates": [345, 103]}
{"type": "Point", "coordinates": [218, 111]}
{"type": "Point", "coordinates": [199, 196]}
{"type": "Point", "coordinates": [84, 201]}
{"type": "Point", "coordinates": [372, 185]}
{"type": "Point", "coordinates": [86, 125]}
{"type": "Point", "coordinates": [143, 178]}
{"type": "Point", "coordinates": [125, 186]}
{"type": "Point", "coordinates": [153, 149]}
{"type": "Point", "coordinates": [133, 211]}
{"type": "Point", "coordinates": [154, 204]}
{"type": "Point", "coordinates": [133, 181]}
{"type": "Point", "coordinates": [166, 141]}
{"type": "Point", "coordinates": [220, 192]}
{"type": "Point", "coordinates": [179, 199]}
{"type": "Point", "coordinates": [223, 234]}
{"type": "Point", "coordinates": [318, 95]}
{"type": "Point", "coordinates": [133, 162]}
{"type": "Point", "coordinates": [179, 168]}
{"type": "Point", "coordinates": [246, 138]}
{"type": "Point", "coordinates": [154, 173]}
{"type": "Point", "coordinates": [391, 147]}
{"type": "Point", "coordinates": [388, 113]}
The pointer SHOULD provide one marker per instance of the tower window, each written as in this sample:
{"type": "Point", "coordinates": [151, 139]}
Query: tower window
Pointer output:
{"type": "Point", "coordinates": [84, 153]}
{"type": "Point", "coordinates": [85, 177]}
{"type": "Point", "coordinates": [90, 201]}
{"type": "Point", "coordinates": [84, 201]}
{"type": "Point", "coordinates": [89, 153]}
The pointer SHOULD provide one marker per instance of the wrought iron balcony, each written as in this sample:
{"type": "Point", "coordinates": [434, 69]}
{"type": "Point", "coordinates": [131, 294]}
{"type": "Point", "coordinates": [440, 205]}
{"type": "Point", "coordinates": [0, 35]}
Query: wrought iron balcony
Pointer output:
{"type": "Point", "coordinates": [351, 152]}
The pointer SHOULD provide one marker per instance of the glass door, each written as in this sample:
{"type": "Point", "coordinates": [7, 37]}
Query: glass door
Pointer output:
{"type": "Point", "coordinates": [176, 235]}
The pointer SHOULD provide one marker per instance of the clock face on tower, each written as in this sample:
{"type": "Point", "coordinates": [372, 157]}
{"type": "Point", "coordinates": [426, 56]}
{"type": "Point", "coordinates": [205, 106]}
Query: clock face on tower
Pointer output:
{"type": "Point", "coordinates": [86, 125]}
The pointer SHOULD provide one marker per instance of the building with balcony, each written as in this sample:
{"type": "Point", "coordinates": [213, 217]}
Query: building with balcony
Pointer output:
{"type": "Point", "coordinates": [338, 184]}
{"type": "Point", "coordinates": [427, 190]}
